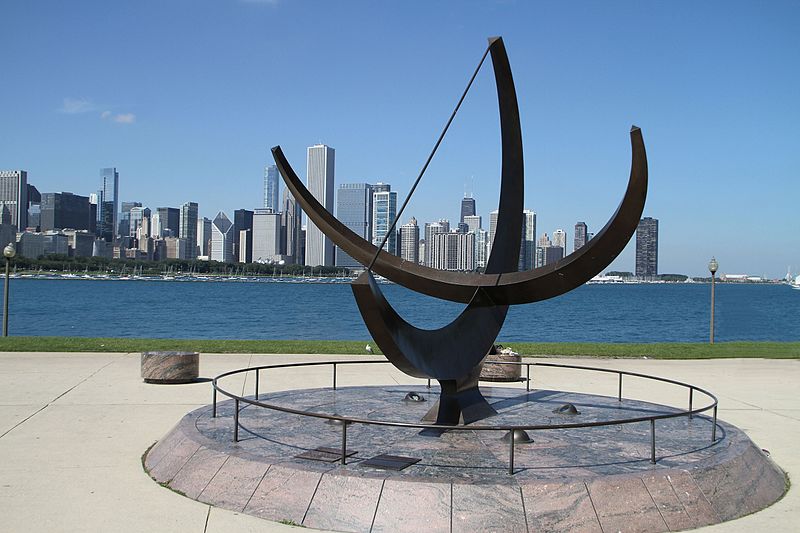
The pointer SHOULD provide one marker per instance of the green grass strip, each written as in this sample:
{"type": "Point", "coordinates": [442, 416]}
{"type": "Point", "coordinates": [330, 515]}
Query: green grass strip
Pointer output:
{"type": "Point", "coordinates": [688, 350]}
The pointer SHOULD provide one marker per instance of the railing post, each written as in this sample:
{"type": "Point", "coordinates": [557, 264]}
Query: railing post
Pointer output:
{"type": "Point", "coordinates": [691, 391]}
{"type": "Point", "coordinates": [511, 454]}
{"type": "Point", "coordinates": [619, 396]}
{"type": "Point", "coordinates": [257, 373]}
{"type": "Point", "coordinates": [214, 401]}
{"type": "Point", "coordinates": [653, 440]}
{"type": "Point", "coordinates": [714, 427]}
{"type": "Point", "coordinates": [334, 376]}
{"type": "Point", "coordinates": [344, 442]}
{"type": "Point", "coordinates": [528, 377]}
{"type": "Point", "coordinates": [429, 383]}
{"type": "Point", "coordinates": [236, 421]}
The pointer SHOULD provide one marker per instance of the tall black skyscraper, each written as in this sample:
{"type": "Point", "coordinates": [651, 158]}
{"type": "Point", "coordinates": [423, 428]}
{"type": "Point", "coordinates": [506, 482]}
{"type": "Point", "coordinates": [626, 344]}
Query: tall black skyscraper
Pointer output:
{"type": "Point", "coordinates": [467, 208]}
{"type": "Point", "coordinates": [169, 220]}
{"type": "Point", "coordinates": [243, 221]}
{"type": "Point", "coordinates": [647, 248]}
{"type": "Point", "coordinates": [65, 210]}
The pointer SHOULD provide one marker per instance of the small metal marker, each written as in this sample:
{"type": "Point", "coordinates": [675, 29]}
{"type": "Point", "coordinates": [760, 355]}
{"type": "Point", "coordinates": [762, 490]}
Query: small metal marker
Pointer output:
{"type": "Point", "coordinates": [335, 422]}
{"type": "Point", "coordinates": [520, 437]}
{"type": "Point", "coordinates": [414, 397]}
{"type": "Point", "coordinates": [567, 409]}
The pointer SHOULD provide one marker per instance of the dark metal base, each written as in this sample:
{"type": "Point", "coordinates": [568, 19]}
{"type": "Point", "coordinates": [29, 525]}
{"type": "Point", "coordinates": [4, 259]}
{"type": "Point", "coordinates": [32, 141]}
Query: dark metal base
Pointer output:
{"type": "Point", "coordinates": [460, 402]}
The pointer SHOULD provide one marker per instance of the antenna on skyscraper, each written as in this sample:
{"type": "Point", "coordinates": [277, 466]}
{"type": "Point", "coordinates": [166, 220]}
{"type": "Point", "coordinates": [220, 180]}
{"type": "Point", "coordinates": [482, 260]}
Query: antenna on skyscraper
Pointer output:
{"type": "Point", "coordinates": [468, 187]}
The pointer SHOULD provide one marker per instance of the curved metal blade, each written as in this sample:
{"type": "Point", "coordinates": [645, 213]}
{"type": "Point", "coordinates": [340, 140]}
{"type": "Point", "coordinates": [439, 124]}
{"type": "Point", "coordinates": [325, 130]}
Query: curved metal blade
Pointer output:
{"type": "Point", "coordinates": [507, 288]}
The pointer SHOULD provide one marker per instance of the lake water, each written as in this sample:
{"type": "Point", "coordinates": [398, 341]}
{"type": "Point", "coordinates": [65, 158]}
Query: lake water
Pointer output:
{"type": "Point", "coordinates": [265, 310]}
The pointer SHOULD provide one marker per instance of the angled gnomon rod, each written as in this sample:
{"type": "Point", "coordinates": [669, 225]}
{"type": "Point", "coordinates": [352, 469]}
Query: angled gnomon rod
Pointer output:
{"type": "Point", "coordinates": [428, 161]}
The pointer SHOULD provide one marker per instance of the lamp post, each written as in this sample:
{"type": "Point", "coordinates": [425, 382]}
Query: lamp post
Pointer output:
{"type": "Point", "coordinates": [712, 267]}
{"type": "Point", "coordinates": [9, 252]}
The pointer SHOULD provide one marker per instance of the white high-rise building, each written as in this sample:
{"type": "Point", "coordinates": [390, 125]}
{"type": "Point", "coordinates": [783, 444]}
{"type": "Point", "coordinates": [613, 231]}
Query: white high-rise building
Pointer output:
{"type": "Point", "coordinates": [431, 229]}
{"type": "Point", "coordinates": [560, 239]}
{"type": "Point", "coordinates": [473, 222]}
{"type": "Point", "coordinates": [266, 235]}
{"type": "Point", "coordinates": [14, 197]}
{"type": "Point", "coordinates": [409, 241]}
{"type": "Point", "coordinates": [453, 251]}
{"type": "Point", "coordinates": [222, 239]}
{"type": "Point", "coordinates": [492, 229]}
{"type": "Point", "coordinates": [481, 242]}
{"type": "Point", "coordinates": [319, 248]}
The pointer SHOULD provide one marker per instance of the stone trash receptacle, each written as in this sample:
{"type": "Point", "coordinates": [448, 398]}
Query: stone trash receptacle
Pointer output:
{"type": "Point", "coordinates": [501, 373]}
{"type": "Point", "coordinates": [170, 367]}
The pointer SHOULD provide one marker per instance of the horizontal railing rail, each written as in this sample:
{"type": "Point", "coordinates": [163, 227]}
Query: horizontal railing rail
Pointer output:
{"type": "Point", "coordinates": [348, 420]}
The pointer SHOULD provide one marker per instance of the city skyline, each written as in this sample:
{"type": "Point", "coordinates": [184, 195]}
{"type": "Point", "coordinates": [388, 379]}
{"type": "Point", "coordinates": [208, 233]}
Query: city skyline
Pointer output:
{"type": "Point", "coordinates": [707, 84]}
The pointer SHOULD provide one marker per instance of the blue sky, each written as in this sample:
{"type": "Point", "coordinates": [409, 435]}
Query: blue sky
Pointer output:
{"type": "Point", "coordinates": [185, 98]}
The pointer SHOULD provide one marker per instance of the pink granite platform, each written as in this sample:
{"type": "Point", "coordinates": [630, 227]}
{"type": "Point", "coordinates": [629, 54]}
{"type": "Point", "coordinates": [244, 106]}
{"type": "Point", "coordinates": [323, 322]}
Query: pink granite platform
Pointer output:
{"type": "Point", "coordinates": [589, 479]}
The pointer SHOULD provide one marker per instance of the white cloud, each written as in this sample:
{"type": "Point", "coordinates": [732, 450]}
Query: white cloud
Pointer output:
{"type": "Point", "coordinates": [125, 118]}
{"type": "Point", "coordinates": [73, 106]}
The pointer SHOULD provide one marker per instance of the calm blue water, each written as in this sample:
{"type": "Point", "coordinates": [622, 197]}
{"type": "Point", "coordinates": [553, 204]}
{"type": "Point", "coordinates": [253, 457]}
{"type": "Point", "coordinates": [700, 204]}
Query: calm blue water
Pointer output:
{"type": "Point", "coordinates": [242, 310]}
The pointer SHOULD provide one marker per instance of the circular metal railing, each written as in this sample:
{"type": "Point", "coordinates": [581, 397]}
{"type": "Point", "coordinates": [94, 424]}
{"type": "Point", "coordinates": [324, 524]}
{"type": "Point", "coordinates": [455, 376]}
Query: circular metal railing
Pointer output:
{"type": "Point", "coordinates": [348, 420]}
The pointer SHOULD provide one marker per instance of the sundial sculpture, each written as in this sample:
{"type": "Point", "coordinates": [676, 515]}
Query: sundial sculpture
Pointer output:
{"type": "Point", "coordinates": [453, 354]}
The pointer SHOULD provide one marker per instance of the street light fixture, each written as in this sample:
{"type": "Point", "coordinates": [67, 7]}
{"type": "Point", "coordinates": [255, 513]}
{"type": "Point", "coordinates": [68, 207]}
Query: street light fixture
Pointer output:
{"type": "Point", "coordinates": [9, 252]}
{"type": "Point", "coordinates": [712, 267]}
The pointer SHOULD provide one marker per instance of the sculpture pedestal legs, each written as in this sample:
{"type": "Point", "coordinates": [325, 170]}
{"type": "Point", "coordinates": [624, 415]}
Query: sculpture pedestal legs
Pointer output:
{"type": "Point", "coordinates": [460, 402]}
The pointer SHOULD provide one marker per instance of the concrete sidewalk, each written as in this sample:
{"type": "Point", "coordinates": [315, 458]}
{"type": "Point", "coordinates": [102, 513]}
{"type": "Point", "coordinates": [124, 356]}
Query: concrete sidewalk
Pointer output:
{"type": "Point", "coordinates": [73, 428]}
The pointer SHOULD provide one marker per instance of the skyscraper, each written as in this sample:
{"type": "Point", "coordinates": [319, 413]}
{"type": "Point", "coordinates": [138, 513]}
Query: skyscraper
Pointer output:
{"type": "Point", "coordinates": [169, 219]}
{"type": "Point", "coordinates": [431, 229]}
{"type": "Point", "coordinates": [647, 248]}
{"type": "Point", "coordinates": [271, 188]}
{"type": "Point", "coordinates": [409, 241]}
{"type": "Point", "coordinates": [319, 248]}
{"type": "Point", "coordinates": [139, 219]}
{"type": "Point", "coordinates": [14, 197]}
{"type": "Point", "coordinates": [124, 227]}
{"type": "Point", "coordinates": [560, 239]}
{"type": "Point", "coordinates": [354, 210]}
{"type": "Point", "coordinates": [527, 248]}
{"type": "Point", "coordinates": [467, 207]}
{"type": "Point", "coordinates": [492, 229]}
{"type": "Point", "coordinates": [292, 240]}
{"type": "Point", "coordinates": [473, 222]}
{"type": "Point", "coordinates": [222, 239]}
{"type": "Point", "coordinates": [481, 238]}
{"type": "Point", "coordinates": [65, 210]}
{"type": "Point", "coordinates": [243, 221]}
{"type": "Point", "coordinates": [384, 211]}
{"type": "Point", "coordinates": [108, 204]}
{"type": "Point", "coordinates": [580, 236]}
{"type": "Point", "coordinates": [34, 207]}
{"type": "Point", "coordinates": [453, 251]}
{"type": "Point", "coordinates": [203, 236]}
{"type": "Point", "coordinates": [188, 229]}
{"type": "Point", "coordinates": [266, 235]}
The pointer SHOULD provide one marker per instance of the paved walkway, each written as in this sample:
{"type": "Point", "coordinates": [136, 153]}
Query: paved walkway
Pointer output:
{"type": "Point", "coordinates": [73, 428]}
